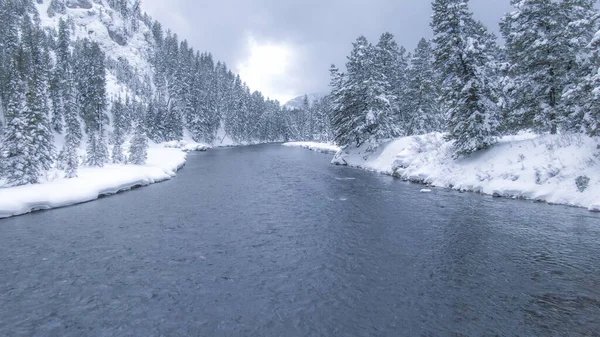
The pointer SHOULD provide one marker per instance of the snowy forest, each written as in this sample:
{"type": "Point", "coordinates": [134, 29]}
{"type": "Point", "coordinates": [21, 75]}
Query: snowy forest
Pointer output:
{"type": "Point", "coordinates": [67, 100]}
{"type": "Point", "coordinates": [542, 77]}
{"type": "Point", "coordinates": [92, 82]}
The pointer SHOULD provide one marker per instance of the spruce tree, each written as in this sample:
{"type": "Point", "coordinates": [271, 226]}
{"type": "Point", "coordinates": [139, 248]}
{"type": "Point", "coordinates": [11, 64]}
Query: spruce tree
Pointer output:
{"type": "Point", "coordinates": [36, 102]}
{"type": "Point", "coordinates": [464, 54]}
{"type": "Point", "coordinates": [58, 89]}
{"type": "Point", "coordinates": [91, 76]}
{"type": "Point", "coordinates": [363, 101]}
{"type": "Point", "coordinates": [584, 97]}
{"type": "Point", "coordinates": [73, 134]}
{"type": "Point", "coordinates": [341, 119]}
{"type": "Point", "coordinates": [118, 135]}
{"type": "Point", "coordinates": [390, 66]}
{"type": "Point", "coordinates": [138, 151]}
{"type": "Point", "coordinates": [544, 40]}
{"type": "Point", "coordinates": [422, 92]}
{"type": "Point", "coordinates": [57, 6]}
{"type": "Point", "coordinates": [18, 155]}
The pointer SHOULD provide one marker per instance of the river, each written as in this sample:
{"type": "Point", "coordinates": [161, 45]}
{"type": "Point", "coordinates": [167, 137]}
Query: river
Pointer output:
{"type": "Point", "coordinates": [274, 241]}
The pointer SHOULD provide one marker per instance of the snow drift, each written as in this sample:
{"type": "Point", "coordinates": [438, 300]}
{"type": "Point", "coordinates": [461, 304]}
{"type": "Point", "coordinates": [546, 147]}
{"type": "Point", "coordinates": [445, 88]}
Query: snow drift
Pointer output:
{"type": "Point", "coordinates": [187, 146]}
{"type": "Point", "coordinates": [560, 169]}
{"type": "Point", "coordinates": [313, 146]}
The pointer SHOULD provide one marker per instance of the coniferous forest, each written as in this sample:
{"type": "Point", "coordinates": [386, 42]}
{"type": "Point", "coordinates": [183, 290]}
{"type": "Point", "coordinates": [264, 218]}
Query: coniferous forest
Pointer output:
{"type": "Point", "coordinates": [59, 109]}
{"type": "Point", "coordinates": [542, 77]}
{"type": "Point", "coordinates": [55, 85]}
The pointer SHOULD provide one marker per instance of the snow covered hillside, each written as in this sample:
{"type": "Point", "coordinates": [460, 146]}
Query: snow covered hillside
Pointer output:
{"type": "Point", "coordinates": [125, 41]}
{"type": "Point", "coordinates": [561, 169]}
{"type": "Point", "coordinates": [297, 102]}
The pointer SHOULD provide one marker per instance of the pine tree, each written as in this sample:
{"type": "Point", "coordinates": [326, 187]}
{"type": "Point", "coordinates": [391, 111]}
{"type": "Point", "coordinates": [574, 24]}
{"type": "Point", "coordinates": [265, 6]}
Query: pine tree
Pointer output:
{"type": "Point", "coordinates": [584, 97]}
{"type": "Point", "coordinates": [18, 164]}
{"type": "Point", "coordinates": [36, 102]}
{"type": "Point", "coordinates": [464, 54]}
{"type": "Point", "coordinates": [73, 134]}
{"type": "Point", "coordinates": [9, 44]}
{"type": "Point", "coordinates": [387, 75]}
{"type": "Point", "coordinates": [305, 119]}
{"type": "Point", "coordinates": [138, 151]}
{"type": "Point", "coordinates": [118, 135]}
{"type": "Point", "coordinates": [363, 101]}
{"type": "Point", "coordinates": [57, 6]}
{"type": "Point", "coordinates": [391, 67]}
{"type": "Point", "coordinates": [579, 96]}
{"type": "Point", "coordinates": [543, 41]}
{"type": "Point", "coordinates": [91, 76]}
{"type": "Point", "coordinates": [322, 109]}
{"type": "Point", "coordinates": [341, 118]}
{"type": "Point", "coordinates": [423, 92]}
{"type": "Point", "coordinates": [58, 89]}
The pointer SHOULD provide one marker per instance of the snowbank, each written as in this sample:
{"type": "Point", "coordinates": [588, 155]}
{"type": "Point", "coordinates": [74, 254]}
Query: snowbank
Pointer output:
{"type": "Point", "coordinates": [313, 146]}
{"type": "Point", "coordinates": [560, 169]}
{"type": "Point", "coordinates": [187, 146]}
{"type": "Point", "coordinates": [91, 183]}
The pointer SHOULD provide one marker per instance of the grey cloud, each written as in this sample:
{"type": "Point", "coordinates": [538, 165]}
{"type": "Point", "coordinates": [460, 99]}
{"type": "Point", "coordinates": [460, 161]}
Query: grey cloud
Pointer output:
{"type": "Point", "coordinates": [322, 30]}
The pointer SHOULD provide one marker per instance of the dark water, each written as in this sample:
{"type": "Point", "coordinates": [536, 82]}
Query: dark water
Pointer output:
{"type": "Point", "coordinates": [273, 241]}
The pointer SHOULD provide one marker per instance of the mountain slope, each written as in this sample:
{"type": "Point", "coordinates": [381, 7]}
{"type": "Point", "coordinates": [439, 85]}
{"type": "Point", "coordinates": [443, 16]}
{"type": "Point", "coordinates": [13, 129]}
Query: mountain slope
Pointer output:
{"type": "Point", "coordinates": [297, 102]}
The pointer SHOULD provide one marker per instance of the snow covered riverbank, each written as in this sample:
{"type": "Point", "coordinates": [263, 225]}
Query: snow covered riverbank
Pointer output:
{"type": "Point", "coordinates": [560, 169]}
{"type": "Point", "coordinates": [91, 183]}
{"type": "Point", "coordinates": [187, 146]}
{"type": "Point", "coordinates": [314, 146]}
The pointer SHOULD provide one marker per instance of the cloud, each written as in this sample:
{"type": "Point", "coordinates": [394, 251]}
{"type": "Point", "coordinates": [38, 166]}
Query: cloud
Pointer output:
{"type": "Point", "coordinates": [315, 33]}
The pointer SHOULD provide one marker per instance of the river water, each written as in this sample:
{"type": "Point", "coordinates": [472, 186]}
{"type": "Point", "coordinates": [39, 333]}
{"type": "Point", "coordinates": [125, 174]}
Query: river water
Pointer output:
{"type": "Point", "coordinates": [274, 241]}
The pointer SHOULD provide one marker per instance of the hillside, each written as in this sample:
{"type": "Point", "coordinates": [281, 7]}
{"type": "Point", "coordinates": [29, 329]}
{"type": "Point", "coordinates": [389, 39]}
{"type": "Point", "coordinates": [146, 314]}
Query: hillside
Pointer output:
{"type": "Point", "coordinates": [298, 102]}
{"type": "Point", "coordinates": [126, 42]}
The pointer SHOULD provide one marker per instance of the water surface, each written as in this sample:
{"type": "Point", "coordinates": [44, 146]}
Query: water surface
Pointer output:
{"type": "Point", "coordinates": [274, 241]}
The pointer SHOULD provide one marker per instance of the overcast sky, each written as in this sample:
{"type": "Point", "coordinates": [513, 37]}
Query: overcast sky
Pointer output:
{"type": "Point", "coordinates": [284, 47]}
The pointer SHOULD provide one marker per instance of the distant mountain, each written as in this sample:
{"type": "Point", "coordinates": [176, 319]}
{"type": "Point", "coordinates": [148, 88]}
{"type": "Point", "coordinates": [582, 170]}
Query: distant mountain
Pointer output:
{"type": "Point", "coordinates": [296, 103]}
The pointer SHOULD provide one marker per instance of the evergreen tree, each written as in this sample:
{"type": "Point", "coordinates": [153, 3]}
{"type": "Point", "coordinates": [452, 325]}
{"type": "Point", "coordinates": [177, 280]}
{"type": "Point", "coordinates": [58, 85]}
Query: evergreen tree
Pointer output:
{"type": "Point", "coordinates": [18, 164]}
{"type": "Point", "coordinates": [584, 97]}
{"type": "Point", "coordinates": [322, 111]}
{"type": "Point", "coordinates": [423, 92]}
{"type": "Point", "coordinates": [91, 85]}
{"type": "Point", "coordinates": [391, 67]}
{"type": "Point", "coordinates": [363, 100]}
{"type": "Point", "coordinates": [73, 134]}
{"type": "Point", "coordinates": [138, 151]}
{"type": "Point", "coordinates": [579, 96]}
{"type": "Point", "coordinates": [36, 102]}
{"type": "Point", "coordinates": [341, 119]}
{"type": "Point", "coordinates": [57, 6]}
{"type": "Point", "coordinates": [58, 89]}
{"type": "Point", "coordinates": [118, 135]}
{"type": "Point", "coordinates": [543, 41]}
{"type": "Point", "coordinates": [464, 54]}
{"type": "Point", "coordinates": [9, 44]}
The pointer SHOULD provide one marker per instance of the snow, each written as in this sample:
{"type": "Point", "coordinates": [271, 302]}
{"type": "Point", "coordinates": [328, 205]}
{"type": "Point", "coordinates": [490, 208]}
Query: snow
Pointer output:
{"type": "Point", "coordinates": [525, 166]}
{"type": "Point", "coordinates": [314, 146]}
{"type": "Point", "coordinates": [91, 183]}
{"type": "Point", "coordinates": [187, 145]}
